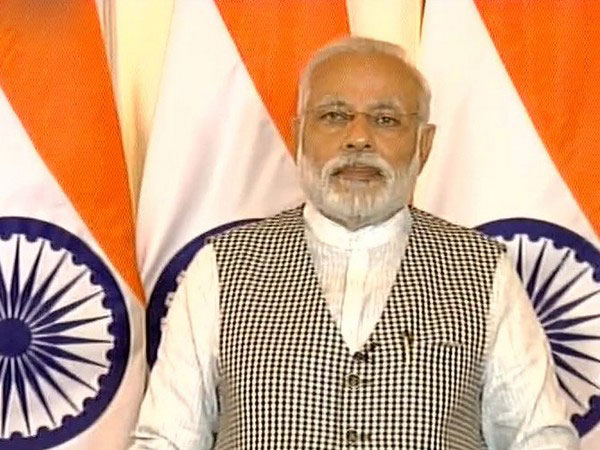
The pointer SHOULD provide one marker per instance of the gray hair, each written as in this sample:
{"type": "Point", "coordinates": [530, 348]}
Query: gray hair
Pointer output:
{"type": "Point", "coordinates": [356, 44]}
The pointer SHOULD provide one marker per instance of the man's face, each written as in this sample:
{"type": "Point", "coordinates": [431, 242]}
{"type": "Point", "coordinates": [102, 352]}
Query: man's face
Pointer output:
{"type": "Point", "coordinates": [362, 141]}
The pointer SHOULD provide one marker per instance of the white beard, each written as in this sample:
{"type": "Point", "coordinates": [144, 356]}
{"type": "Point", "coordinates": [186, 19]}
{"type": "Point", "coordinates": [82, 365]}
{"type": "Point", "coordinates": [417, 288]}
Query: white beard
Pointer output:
{"type": "Point", "coordinates": [356, 204]}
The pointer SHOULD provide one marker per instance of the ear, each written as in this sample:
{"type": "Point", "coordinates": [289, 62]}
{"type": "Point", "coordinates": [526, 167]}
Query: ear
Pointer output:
{"type": "Point", "coordinates": [296, 130]}
{"type": "Point", "coordinates": [425, 143]}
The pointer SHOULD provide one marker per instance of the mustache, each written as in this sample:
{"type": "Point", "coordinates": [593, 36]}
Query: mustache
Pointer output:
{"type": "Point", "coordinates": [371, 160]}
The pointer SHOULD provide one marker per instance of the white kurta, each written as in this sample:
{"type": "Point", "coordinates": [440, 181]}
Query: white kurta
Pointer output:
{"type": "Point", "coordinates": [522, 407]}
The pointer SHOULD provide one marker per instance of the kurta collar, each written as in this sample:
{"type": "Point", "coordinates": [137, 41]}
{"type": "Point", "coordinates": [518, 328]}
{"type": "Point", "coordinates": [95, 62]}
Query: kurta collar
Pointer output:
{"type": "Point", "coordinates": [334, 234]}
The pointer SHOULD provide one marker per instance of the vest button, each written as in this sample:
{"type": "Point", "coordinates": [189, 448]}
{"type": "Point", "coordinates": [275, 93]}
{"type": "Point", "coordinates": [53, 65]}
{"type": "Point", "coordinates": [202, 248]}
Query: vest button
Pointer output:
{"type": "Point", "coordinates": [352, 436]}
{"type": "Point", "coordinates": [353, 381]}
{"type": "Point", "coordinates": [359, 357]}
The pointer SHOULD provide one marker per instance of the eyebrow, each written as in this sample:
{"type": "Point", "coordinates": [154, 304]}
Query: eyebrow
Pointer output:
{"type": "Point", "coordinates": [334, 101]}
{"type": "Point", "coordinates": [388, 104]}
{"type": "Point", "coordinates": [330, 100]}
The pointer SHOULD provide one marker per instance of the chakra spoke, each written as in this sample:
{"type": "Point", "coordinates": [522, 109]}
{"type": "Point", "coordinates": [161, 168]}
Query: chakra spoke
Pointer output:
{"type": "Point", "coordinates": [50, 302]}
{"type": "Point", "coordinates": [568, 391]}
{"type": "Point", "coordinates": [6, 389]}
{"type": "Point", "coordinates": [63, 326]}
{"type": "Point", "coordinates": [60, 312]}
{"type": "Point", "coordinates": [557, 347]}
{"type": "Point", "coordinates": [519, 266]}
{"type": "Point", "coordinates": [40, 294]}
{"type": "Point", "coordinates": [14, 284]}
{"type": "Point", "coordinates": [65, 354]}
{"type": "Point", "coordinates": [35, 385]}
{"type": "Point", "coordinates": [560, 362]}
{"type": "Point", "coordinates": [39, 367]}
{"type": "Point", "coordinates": [52, 363]}
{"type": "Point", "coordinates": [567, 323]}
{"type": "Point", "coordinates": [540, 296]}
{"type": "Point", "coordinates": [28, 287]}
{"type": "Point", "coordinates": [3, 296]}
{"type": "Point", "coordinates": [572, 337]}
{"type": "Point", "coordinates": [533, 278]}
{"type": "Point", "coordinates": [22, 394]}
{"type": "Point", "coordinates": [67, 340]}
{"type": "Point", "coordinates": [3, 364]}
{"type": "Point", "coordinates": [567, 307]}
{"type": "Point", "coordinates": [4, 367]}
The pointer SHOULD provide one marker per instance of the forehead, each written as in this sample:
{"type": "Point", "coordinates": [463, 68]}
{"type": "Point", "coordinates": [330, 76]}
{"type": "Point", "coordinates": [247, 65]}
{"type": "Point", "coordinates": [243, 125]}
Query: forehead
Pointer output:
{"type": "Point", "coordinates": [362, 79]}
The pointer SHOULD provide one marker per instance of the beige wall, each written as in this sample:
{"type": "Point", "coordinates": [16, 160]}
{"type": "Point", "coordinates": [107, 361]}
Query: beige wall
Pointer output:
{"type": "Point", "coordinates": [136, 33]}
{"type": "Point", "coordinates": [396, 21]}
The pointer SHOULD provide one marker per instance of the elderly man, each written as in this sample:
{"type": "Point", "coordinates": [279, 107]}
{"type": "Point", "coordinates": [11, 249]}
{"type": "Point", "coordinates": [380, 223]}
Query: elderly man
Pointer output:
{"type": "Point", "coordinates": [355, 320]}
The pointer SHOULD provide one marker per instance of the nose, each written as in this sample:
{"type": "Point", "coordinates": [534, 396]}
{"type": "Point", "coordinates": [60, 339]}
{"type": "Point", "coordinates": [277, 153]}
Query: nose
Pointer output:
{"type": "Point", "coordinates": [358, 136]}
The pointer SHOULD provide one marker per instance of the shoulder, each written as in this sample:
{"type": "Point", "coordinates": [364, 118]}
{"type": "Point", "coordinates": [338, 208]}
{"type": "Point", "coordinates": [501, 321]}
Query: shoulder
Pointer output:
{"type": "Point", "coordinates": [282, 223]}
{"type": "Point", "coordinates": [438, 231]}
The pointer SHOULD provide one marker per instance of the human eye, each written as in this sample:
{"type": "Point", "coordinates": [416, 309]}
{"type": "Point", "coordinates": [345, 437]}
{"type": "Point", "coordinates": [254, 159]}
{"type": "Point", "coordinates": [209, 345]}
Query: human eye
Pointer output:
{"type": "Point", "coordinates": [334, 116]}
{"type": "Point", "coordinates": [387, 120]}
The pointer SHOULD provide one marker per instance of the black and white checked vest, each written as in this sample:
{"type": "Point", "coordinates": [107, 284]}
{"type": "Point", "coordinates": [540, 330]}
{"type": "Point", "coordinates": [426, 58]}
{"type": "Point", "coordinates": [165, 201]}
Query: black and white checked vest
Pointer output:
{"type": "Point", "coordinates": [288, 381]}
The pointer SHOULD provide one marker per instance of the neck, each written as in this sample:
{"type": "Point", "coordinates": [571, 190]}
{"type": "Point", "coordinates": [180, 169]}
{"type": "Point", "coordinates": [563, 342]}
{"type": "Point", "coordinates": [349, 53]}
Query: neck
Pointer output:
{"type": "Point", "coordinates": [358, 222]}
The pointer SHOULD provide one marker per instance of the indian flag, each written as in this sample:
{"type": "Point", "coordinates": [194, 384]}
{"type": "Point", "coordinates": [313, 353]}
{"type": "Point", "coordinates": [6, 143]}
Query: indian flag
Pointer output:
{"type": "Point", "coordinates": [71, 317]}
{"type": "Point", "coordinates": [219, 153]}
{"type": "Point", "coordinates": [516, 99]}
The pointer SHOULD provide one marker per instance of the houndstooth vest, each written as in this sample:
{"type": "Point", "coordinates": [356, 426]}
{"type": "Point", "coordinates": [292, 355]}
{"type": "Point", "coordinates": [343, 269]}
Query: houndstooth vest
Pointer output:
{"type": "Point", "coordinates": [288, 381]}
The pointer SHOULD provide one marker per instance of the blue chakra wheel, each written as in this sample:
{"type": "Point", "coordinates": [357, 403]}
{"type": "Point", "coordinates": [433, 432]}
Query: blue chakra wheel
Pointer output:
{"type": "Point", "coordinates": [164, 289]}
{"type": "Point", "coordinates": [561, 273]}
{"type": "Point", "coordinates": [64, 335]}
